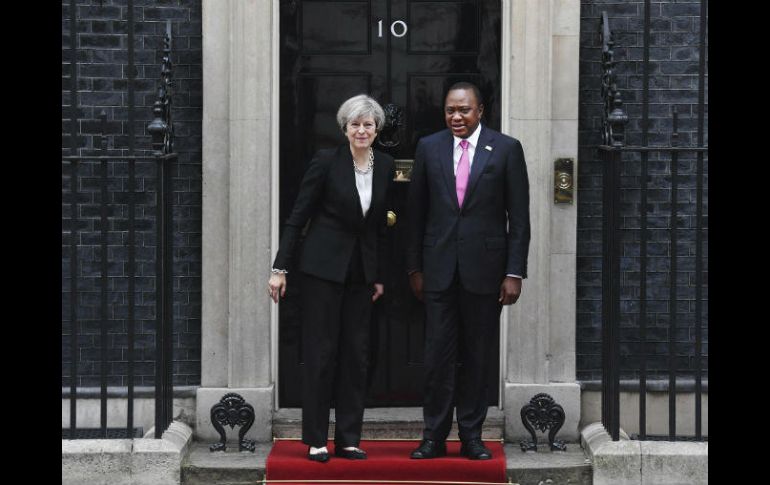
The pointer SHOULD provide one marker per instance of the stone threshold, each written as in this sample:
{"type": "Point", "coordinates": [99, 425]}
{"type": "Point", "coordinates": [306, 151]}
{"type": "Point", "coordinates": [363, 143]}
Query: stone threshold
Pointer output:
{"type": "Point", "coordinates": [385, 423]}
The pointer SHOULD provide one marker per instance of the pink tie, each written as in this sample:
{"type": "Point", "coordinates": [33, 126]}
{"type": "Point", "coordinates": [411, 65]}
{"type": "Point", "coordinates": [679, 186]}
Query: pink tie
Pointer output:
{"type": "Point", "coordinates": [463, 169]}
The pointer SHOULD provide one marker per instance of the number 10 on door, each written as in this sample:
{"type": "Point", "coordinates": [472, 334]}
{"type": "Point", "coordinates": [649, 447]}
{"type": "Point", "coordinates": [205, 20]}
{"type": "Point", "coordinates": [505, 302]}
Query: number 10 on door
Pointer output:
{"type": "Point", "coordinates": [398, 24]}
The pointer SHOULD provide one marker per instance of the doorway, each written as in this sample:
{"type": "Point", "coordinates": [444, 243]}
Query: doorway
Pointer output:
{"type": "Point", "coordinates": [405, 54]}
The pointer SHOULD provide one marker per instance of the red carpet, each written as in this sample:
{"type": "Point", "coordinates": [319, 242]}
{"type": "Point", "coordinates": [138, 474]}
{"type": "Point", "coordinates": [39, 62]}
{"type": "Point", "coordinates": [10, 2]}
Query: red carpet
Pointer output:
{"type": "Point", "coordinates": [387, 460]}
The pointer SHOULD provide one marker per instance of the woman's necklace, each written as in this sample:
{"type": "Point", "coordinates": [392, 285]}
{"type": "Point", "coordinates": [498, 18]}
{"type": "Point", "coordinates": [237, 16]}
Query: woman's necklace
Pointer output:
{"type": "Point", "coordinates": [368, 165]}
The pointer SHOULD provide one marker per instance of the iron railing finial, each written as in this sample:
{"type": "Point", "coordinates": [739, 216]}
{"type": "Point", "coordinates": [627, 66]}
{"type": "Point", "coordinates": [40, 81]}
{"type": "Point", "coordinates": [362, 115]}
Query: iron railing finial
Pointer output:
{"type": "Point", "coordinates": [162, 128]}
{"type": "Point", "coordinates": [614, 117]}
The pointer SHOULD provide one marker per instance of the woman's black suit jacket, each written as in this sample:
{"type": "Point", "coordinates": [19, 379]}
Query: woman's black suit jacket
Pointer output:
{"type": "Point", "coordinates": [329, 199]}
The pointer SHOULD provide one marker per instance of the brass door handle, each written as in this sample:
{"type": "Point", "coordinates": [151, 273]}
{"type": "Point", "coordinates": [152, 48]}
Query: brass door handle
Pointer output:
{"type": "Point", "coordinates": [391, 218]}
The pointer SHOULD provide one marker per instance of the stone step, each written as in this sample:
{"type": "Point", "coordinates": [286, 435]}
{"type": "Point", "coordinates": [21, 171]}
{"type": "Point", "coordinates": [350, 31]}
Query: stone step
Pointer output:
{"type": "Point", "coordinates": [202, 467]}
{"type": "Point", "coordinates": [231, 467]}
{"type": "Point", "coordinates": [571, 467]}
{"type": "Point", "coordinates": [385, 423]}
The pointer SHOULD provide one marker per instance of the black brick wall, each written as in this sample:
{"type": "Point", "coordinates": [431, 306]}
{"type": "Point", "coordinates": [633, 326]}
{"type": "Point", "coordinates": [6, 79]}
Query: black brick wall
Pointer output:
{"type": "Point", "coordinates": [674, 54]}
{"type": "Point", "coordinates": [102, 63]}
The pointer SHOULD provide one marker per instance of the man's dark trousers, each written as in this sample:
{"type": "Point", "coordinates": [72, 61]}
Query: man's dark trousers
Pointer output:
{"type": "Point", "coordinates": [458, 324]}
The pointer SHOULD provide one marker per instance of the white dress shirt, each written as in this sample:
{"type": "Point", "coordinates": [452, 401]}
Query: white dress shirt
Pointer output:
{"type": "Point", "coordinates": [364, 186]}
{"type": "Point", "coordinates": [473, 140]}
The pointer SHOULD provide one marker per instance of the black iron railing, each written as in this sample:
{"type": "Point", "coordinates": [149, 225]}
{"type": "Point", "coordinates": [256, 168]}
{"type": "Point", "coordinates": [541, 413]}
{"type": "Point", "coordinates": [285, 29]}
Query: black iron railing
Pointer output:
{"type": "Point", "coordinates": [164, 159]}
{"type": "Point", "coordinates": [616, 156]}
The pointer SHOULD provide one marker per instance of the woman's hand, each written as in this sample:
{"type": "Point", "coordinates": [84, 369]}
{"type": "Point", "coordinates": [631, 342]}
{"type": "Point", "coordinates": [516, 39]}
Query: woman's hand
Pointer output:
{"type": "Point", "coordinates": [415, 281]}
{"type": "Point", "coordinates": [277, 286]}
{"type": "Point", "coordinates": [379, 289]}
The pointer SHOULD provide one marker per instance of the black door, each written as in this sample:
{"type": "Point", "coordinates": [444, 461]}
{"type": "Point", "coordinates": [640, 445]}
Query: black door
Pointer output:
{"type": "Point", "coordinates": [405, 54]}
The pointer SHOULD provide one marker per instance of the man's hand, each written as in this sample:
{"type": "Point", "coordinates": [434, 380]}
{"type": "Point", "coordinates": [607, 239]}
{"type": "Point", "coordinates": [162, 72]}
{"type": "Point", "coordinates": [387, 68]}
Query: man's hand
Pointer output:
{"type": "Point", "coordinates": [415, 281]}
{"type": "Point", "coordinates": [276, 286]}
{"type": "Point", "coordinates": [379, 289]}
{"type": "Point", "coordinates": [510, 290]}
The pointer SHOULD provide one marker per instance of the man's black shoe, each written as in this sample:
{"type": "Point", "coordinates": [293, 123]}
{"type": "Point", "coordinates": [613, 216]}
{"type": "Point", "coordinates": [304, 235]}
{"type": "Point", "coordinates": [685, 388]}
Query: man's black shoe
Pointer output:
{"type": "Point", "coordinates": [475, 450]}
{"type": "Point", "coordinates": [358, 454]}
{"type": "Point", "coordinates": [429, 449]}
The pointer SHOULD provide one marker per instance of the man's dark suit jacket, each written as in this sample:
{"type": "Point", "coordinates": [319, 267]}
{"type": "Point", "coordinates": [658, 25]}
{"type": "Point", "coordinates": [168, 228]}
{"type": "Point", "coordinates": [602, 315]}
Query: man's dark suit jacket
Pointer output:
{"type": "Point", "coordinates": [329, 198]}
{"type": "Point", "coordinates": [475, 240]}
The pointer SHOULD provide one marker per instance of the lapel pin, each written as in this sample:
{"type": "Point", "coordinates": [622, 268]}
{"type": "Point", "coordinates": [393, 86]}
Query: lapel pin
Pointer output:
{"type": "Point", "coordinates": [488, 148]}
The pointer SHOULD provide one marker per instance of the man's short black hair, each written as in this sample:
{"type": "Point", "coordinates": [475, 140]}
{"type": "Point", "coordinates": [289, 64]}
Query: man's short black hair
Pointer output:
{"type": "Point", "coordinates": [466, 85]}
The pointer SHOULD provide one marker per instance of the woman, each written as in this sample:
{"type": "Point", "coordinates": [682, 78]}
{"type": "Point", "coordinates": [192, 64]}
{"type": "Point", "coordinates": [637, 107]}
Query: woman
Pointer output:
{"type": "Point", "coordinates": [343, 194]}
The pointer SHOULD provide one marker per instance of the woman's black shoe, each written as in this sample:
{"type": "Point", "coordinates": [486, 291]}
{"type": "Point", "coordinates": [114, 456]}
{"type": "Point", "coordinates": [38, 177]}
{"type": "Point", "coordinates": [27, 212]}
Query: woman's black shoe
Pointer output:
{"type": "Point", "coordinates": [322, 457]}
{"type": "Point", "coordinates": [349, 454]}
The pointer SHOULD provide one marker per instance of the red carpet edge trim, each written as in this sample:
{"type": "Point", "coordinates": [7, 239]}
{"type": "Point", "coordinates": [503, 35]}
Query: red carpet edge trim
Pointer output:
{"type": "Point", "coordinates": [501, 440]}
{"type": "Point", "coordinates": [443, 482]}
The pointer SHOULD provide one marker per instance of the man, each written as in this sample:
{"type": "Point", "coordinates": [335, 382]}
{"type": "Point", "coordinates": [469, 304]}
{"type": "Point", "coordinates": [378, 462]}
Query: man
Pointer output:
{"type": "Point", "coordinates": [466, 257]}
